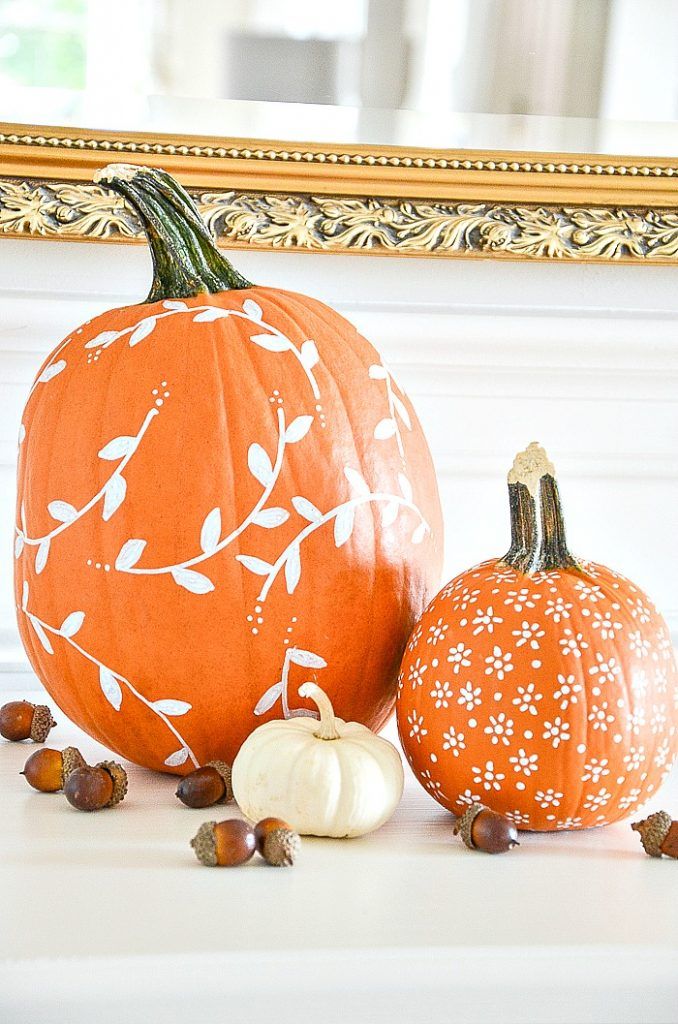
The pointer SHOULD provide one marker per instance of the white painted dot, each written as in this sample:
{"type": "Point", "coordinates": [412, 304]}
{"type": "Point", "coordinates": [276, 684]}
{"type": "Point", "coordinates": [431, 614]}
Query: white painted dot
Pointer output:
{"type": "Point", "coordinates": [318, 408]}
{"type": "Point", "coordinates": [166, 394]}
{"type": "Point", "coordinates": [289, 629]}
{"type": "Point", "coordinates": [434, 759]}
{"type": "Point", "coordinates": [650, 787]}
{"type": "Point", "coordinates": [279, 401]}
{"type": "Point", "coordinates": [520, 785]}
{"type": "Point", "coordinates": [617, 737]}
{"type": "Point", "coordinates": [536, 663]}
{"type": "Point", "coordinates": [323, 425]}
{"type": "Point", "coordinates": [250, 618]}
{"type": "Point", "coordinates": [260, 619]}
{"type": "Point", "coordinates": [158, 401]}
{"type": "Point", "coordinates": [620, 779]}
{"type": "Point", "coordinates": [163, 383]}
{"type": "Point", "coordinates": [257, 609]}
{"type": "Point", "coordinates": [462, 622]}
{"type": "Point", "coordinates": [98, 565]}
{"type": "Point", "coordinates": [528, 734]}
{"type": "Point", "coordinates": [581, 749]}
{"type": "Point", "coordinates": [107, 567]}
{"type": "Point", "coordinates": [596, 691]}
{"type": "Point", "coordinates": [154, 391]}
{"type": "Point", "coordinates": [271, 399]}
{"type": "Point", "coordinates": [276, 392]}
{"type": "Point", "coordinates": [498, 696]}
{"type": "Point", "coordinates": [255, 630]}
{"type": "Point", "coordinates": [620, 703]}
{"type": "Point", "coordinates": [285, 641]}
{"type": "Point", "coordinates": [554, 590]}
{"type": "Point", "coordinates": [89, 561]}
{"type": "Point", "coordinates": [434, 663]}
{"type": "Point", "coordinates": [550, 817]}
{"type": "Point", "coordinates": [643, 777]}
{"type": "Point", "coordinates": [472, 723]}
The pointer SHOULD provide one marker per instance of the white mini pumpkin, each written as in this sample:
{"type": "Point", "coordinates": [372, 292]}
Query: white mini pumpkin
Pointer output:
{"type": "Point", "coordinates": [326, 778]}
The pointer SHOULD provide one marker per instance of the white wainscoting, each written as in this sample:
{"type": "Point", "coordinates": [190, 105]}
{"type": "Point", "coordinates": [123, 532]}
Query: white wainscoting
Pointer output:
{"type": "Point", "coordinates": [493, 354]}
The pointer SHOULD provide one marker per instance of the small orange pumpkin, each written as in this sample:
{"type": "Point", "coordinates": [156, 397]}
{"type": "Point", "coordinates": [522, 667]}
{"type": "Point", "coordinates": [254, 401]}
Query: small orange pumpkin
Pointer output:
{"type": "Point", "coordinates": [543, 686]}
{"type": "Point", "coordinates": [221, 491]}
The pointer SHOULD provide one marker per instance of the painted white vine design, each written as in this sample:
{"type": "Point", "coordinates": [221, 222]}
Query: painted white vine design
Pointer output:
{"type": "Point", "coordinates": [273, 340]}
{"type": "Point", "coordinates": [112, 682]}
{"type": "Point", "coordinates": [112, 493]}
{"type": "Point", "coordinates": [344, 522]}
{"type": "Point", "coordinates": [279, 690]}
{"type": "Point", "coordinates": [389, 426]}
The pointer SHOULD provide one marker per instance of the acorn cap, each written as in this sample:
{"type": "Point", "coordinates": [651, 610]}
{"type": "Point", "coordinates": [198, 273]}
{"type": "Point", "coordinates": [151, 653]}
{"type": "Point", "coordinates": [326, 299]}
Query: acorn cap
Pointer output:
{"type": "Point", "coordinates": [119, 776]}
{"type": "Point", "coordinates": [463, 826]}
{"type": "Point", "coordinates": [71, 758]}
{"type": "Point", "coordinates": [225, 772]}
{"type": "Point", "coordinates": [204, 843]}
{"type": "Point", "coordinates": [653, 831]}
{"type": "Point", "coordinates": [281, 847]}
{"type": "Point", "coordinates": [42, 723]}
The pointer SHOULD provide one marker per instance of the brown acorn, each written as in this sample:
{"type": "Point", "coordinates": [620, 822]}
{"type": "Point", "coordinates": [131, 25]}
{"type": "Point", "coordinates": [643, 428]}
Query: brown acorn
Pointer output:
{"type": "Point", "coordinates": [210, 784]}
{"type": "Point", "coordinates": [483, 829]}
{"type": "Point", "coordinates": [264, 827]}
{"type": "Point", "coordinates": [658, 834]}
{"type": "Point", "coordinates": [21, 720]}
{"type": "Point", "coordinates": [93, 788]}
{"type": "Point", "coordinates": [224, 844]}
{"type": "Point", "coordinates": [47, 770]}
{"type": "Point", "coordinates": [281, 847]}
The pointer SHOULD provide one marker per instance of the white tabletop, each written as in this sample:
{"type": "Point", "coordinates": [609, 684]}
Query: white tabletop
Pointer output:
{"type": "Point", "coordinates": [108, 917]}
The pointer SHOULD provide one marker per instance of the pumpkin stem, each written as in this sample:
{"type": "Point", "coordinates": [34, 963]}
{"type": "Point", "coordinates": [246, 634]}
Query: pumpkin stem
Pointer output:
{"type": "Point", "coordinates": [537, 525]}
{"type": "Point", "coordinates": [327, 730]}
{"type": "Point", "coordinates": [186, 261]}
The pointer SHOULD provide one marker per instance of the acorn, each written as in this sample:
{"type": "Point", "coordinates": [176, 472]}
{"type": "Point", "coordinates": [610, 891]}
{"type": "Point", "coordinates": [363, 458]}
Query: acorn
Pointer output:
{"type": "Point", "coordinates": [266, 826]}
{"type": "Point", "coordinates": [225, 844]}
{"type": "Point", "coordinates": [483, 829]}
{"type": "Point", "coordinates": [21, 720]}
{"type": "Point", "coordinates": [658, 834]}
{"type": "Point", "coordinates": [210, 784]}
{"type": "Point", "coordinates": [281, 847]}
{"type": "Point", "coordinates": [93, 788]}
{"type": "Point", "coordinates": [47, 770]}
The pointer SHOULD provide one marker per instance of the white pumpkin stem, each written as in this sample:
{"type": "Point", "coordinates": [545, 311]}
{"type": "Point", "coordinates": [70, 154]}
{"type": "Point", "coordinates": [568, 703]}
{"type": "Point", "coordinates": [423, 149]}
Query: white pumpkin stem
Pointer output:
{"type": "Point", "coordinates": [327, 729]}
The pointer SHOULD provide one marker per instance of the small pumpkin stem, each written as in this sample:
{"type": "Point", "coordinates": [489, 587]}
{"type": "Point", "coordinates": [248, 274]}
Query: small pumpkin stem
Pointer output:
{"type": "Point", "coordinates": [186, 261]}
{"type": "Point", "coordinates": [537, 526]}
{"type": "Point", "coordinates": [327, 730]}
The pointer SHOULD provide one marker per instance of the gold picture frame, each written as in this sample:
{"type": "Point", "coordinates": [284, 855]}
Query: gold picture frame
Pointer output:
{"type": "Point", "coordinates": [383, 200]}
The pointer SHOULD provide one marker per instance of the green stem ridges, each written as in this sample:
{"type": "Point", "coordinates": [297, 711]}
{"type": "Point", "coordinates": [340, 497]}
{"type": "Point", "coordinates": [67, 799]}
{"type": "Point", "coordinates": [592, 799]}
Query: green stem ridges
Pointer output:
{"type": "Point", "coordinates": [186, 261]}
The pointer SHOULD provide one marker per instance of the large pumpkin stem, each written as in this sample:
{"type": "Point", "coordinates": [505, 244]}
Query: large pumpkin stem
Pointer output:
{"type": "Point", "coordinates": [186, 261]}
{"type": "Point", "coordinates": [537, 525]}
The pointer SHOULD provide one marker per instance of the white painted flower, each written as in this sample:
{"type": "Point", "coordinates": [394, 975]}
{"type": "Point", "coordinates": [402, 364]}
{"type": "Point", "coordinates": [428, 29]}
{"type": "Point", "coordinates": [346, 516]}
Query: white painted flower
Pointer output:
{"type": "Point", "coordinates": [529, 632]}
{"type": "Point", "coordinates": [464, 599]}
{"type": "Point", "coordinates": [416, 723]}
{"type": "Point", "coordinates": [639, 644]}
{"type": "Point", "coordinates": [658, 718]}
{"type": "Point", "coordinates": [573, 643]}
{"type": "Point", "coordinates": [558, 731]}
{"type": "Point", "coordinates": [545, 576]}
{"type": "Point", "coordinates": [415, 638]}
{"type": "Point", "coordinates": [525, 763]}
{"type": "Point", "coordinates": [416, 674]}
{"type": "Point", "coordinates": [485, 620]}
{"type": "Point", "coordinates": [600, 716]}
{"type": "Point", "coordinates": [639, 683]}
{"type": "Point", "coordinates": [431, 784]}
{"type": "Point", "coordinates": [502, 576]}
{"type": "Point", "coordinates": [469, 696]}
{"type": "Point", "coordinates": [634, 758]}
{"type": "Point", "coordinates": [401, 680]}
{"type": "Point", "coordinates": [606, 624]}
{"type": "Point", "coordinates": [636, 720]}
{"type": "Point", "coordinates": [454, 741]}
{"type": "Point", "coordinates": [606, 670]}
{"type": "Point", "coordinates": [565, 823]}
{"type": "Point", "coordinates": [548, 798]}
{"type": "Point", "coordinates": [518, 817]}
{"type": "Point", "coordinates": [527, 698]}
{"type": "Point", "coordinates": [459, 657]}
{"type": "Point", "coordinates": [567, 691]}
{"type": "Point", "coordinates": [595, 800]}
{"type": "Point", "coordinates": [500, 729]}
{"type": "Point", "coordinates": [441, 694]}
{"type": "Point", "coordinates": [629, 800]}
{"type": "Point", "coordinates": [498, 663]}
{"type": "Point", "coordinates": [595, 770]}
{"type": "Point", "coordinates": [467, 798]}
{"type": "Point", "coordinates": [437, 632]}
{"type": "Point", "coordinates": [661, 681]}
{"type": "Point", "coordinates": [521, 599]}
{"type": "Point", "coordinates": [488, 777]}
{"type": "Point", "coordinates": [662, 754]}
{"type": "Point", "coordinates": [559, 608]}
{"type": "Point", "coordinates": [589, 592]}
{"type": "Point", "coordinates": [639, 610]}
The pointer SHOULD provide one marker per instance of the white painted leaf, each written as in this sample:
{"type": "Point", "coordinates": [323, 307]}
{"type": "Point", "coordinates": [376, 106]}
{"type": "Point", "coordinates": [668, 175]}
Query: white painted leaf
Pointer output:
{"type": "Point", "coordinates": [41, 635]}
{"type": "Point", "coordinates": [103, 340]}
{"type": "Point", "coordinates": [266, 702]}
{"type": "Point", "coordinates": [390, 513]}
{"type": "Point", "coordinates": [72, 623]}
{"type": "Point", "coordinates": [41, 556]}
{"type": "Point", "coordinates": [385, 429]}
{"type": "Point", "coordinates": [271, 342]}
{"type": "Point", "coordinates": [252, 309]}
{"type": "Point", "coordinates": [18, 545]}
{"type": "Point", "coordinates": [293, 569]}
{"type": "Point", "coordinates": [62, 511]}
{"type": "Point", "coordinates": [110, 687]}
{"type": "Point", "coordinates": [52, 371]}
{"type": "Point", "coordinates": [259, 464]}
{"type": "Point", "coordinates": [270, 517]}
{"type": "Point", "coordinates": [255, 565]}
{"type": "Point", "coordinates": [306, 658]}
{"type": "Point", "coordinates": [177, 758]}
{"type": "Point", "coordinates": [174, 304]}
{"type": "Point", "coordinates": [172, 708]}
{"type": "Point", "coordinates": [343, 525]}
{"type": "Point", "coordinates": [298, 428]}
{"type": "Point", "coordinates": [24, 595]}
{"type": "Point", "coordinates": [114, 495]}
{"type": "Point", "coordinates": [378, 372]}
{"type": "Point", "coordinates": [142, 331]}
{"type": "Point", "coordinates": [307, 509]}
{"type": "Point", "coordinates": [22, 433]}
{"type": "Point", "coordinates": [211, 531]}
{"type": "Point", "coordinates": [401, 409]}
{"type": "Point", "coordinates": [191, 580]}
{"type": "Point", "coordinates": [118, 447]}
{"type": "Point", "coordinates": [356, 481]}
{"type": "Point", "coordinates": [309, 355]}
{"type": "Point", "coordinates": [129, 554]}
{"type": "Point", "coordinates": [405, 486]}
{"type": "Point", "coordinates": [206, 316]}
{"type": "Point", "coordinates": [419, 534]}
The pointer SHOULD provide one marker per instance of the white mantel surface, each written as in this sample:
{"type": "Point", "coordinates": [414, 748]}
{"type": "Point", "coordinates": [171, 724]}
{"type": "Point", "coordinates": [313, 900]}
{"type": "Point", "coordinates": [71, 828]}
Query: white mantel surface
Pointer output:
{"type": "Point", "coordinates": [108, 918]}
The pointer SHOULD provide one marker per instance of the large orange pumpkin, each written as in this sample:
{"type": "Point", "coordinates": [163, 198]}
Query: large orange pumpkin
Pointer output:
{"type": "Point", "coordinates": [221, 492]}
{"type": "Point", "coordinates": [541, 685]}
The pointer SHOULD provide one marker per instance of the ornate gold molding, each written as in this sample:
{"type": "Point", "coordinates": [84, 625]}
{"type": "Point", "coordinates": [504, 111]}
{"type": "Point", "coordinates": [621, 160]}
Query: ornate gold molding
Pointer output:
{"type": "Point", "coordinates": [340, 223]}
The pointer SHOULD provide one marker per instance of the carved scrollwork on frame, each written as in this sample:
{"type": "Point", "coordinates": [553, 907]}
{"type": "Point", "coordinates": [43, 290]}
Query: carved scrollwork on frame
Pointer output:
{"type": "Point", "coordinates": [415, 227]}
